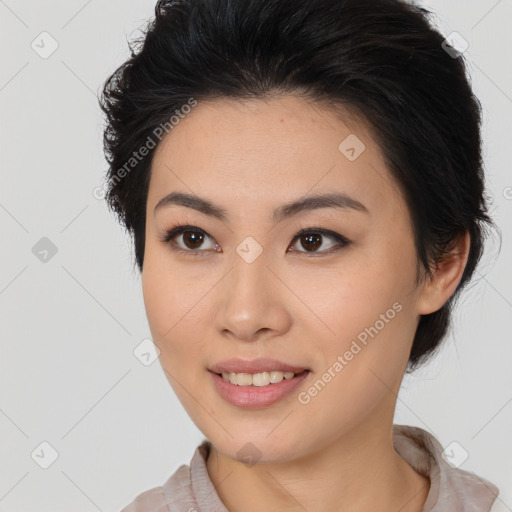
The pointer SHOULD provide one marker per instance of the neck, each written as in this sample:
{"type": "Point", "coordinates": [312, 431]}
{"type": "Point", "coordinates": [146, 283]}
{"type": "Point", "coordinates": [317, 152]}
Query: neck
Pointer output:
{"type": "Point", "coordinates": [360, 471]}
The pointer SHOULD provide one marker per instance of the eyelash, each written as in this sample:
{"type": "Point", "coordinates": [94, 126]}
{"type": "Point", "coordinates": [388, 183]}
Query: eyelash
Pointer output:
{"type": "Point", "coordinates": [182, 228]}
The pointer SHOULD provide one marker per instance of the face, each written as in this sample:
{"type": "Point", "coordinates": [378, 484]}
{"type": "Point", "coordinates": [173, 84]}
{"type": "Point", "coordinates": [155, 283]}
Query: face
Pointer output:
{"type": "Point", "coordinates": [339, 300]}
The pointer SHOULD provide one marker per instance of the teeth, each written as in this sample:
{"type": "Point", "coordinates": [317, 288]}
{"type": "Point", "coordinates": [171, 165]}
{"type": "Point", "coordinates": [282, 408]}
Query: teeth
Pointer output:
{"type": "Point", "coordinates": [257, 379]}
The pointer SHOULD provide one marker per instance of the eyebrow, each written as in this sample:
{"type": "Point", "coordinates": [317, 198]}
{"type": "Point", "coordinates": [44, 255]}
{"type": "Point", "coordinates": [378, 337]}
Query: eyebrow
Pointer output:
{"type": "Point", "coordinates": [312, 202]}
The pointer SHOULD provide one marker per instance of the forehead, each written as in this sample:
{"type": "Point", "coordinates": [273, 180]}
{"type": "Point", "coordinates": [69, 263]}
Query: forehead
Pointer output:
{"type": "Point", "coordinates": [269, 151]}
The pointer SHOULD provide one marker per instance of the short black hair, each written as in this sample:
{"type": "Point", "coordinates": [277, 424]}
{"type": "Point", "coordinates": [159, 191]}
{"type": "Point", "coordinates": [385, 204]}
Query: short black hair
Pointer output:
{"type": "Point", "coordinates": [381, 59]}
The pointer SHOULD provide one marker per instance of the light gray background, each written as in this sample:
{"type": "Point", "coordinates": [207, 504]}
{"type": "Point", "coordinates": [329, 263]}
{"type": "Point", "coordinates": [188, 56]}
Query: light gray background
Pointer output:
{"type": "Point", "coordinates": [69, 326]}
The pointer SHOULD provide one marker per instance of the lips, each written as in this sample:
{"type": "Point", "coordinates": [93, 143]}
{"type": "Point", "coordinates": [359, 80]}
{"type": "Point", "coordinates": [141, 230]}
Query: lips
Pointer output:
{"type": "Point", "coordinates": [238, 365]}
{"type": "Point", "coordinates": [256, 397]}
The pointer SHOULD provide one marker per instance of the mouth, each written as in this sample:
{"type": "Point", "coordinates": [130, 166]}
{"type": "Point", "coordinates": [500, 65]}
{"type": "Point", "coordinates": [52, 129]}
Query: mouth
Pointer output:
{"type": "Point", "coordinates": [259, 389]}
{"type": "Point", "coordinates": [260, 379]}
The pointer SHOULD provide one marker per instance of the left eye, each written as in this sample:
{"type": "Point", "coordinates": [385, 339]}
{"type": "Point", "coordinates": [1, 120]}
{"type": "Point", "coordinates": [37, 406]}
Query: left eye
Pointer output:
{"type": "Point", "coordinates": [193, 237]}
{"type": "Point", "coordinates": [312, 239]}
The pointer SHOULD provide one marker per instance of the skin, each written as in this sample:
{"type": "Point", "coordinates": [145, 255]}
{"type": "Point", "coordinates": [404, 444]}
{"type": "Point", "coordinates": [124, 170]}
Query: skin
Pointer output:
{"type": "Point", "coordinates": [335, 452]}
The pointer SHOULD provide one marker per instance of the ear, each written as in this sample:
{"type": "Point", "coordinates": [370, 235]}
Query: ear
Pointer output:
{"type": "Point", "coordinates": [446, 277]}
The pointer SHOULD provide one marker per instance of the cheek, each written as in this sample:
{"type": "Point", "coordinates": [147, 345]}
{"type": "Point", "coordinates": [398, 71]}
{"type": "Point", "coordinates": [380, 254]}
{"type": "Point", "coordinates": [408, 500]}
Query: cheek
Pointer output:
{"type": "Point", "coordinates": [163, 291]}
{"type": "Point", "coordinates": [372, 330]}
{"type": "Point", "coordinates": [176, 311]}
{"type": "Point", "coordinates": [371, 325]}
{"type": "Point", "coordinates": [157, 302]}
{"type": "Point", "coordinates": [360, 370]}
{"type": "Point", "coordinates": [171, 317]}
{"type": "Point", "coordinates": [351, 298]}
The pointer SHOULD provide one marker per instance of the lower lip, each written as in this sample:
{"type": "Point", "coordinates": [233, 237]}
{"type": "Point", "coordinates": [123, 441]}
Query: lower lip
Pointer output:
{"type": "Point", "coordinates": [255, 397]}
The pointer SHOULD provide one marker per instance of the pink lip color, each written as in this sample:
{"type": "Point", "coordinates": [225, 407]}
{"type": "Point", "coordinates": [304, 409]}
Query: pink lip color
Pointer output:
{"type": "Point", "coordinates": [255, 397]}
{"type": "Point", "coordinates": [264, 364]}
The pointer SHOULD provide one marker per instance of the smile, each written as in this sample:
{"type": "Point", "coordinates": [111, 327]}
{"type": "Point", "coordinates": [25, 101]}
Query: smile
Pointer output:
{"type": "Point", "coordinates": [257, 379]}
{"type": "Point", "coordinates": [257, 390]}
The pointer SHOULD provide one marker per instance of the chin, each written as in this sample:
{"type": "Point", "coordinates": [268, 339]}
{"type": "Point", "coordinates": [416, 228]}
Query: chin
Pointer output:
{"type": "Point", "coordinates": [256, 448]}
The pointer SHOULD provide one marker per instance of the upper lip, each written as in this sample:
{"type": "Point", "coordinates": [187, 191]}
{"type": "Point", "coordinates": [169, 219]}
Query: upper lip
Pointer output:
{"type": "Point", "coordinates": [237, 365]}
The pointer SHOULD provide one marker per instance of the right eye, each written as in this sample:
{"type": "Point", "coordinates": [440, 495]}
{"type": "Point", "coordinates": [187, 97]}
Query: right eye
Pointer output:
{"type": "Point", "coordinates": [192, 238]}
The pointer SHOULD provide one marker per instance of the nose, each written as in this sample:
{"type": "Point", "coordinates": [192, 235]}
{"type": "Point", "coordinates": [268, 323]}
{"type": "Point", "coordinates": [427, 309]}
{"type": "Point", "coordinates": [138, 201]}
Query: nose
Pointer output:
{"type": "Point", "coordinates": [252, 302]}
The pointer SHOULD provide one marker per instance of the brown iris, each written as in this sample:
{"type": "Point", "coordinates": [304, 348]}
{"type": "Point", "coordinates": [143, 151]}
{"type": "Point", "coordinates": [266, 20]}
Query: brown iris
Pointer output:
{"type": "Point", "coordinates": [195, 238]}
{"type": "Point", "coordinates": [313, 241]}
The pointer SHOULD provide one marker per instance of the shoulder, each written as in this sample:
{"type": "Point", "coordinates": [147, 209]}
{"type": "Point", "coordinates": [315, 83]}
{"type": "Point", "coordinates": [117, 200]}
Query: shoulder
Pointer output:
{"type": "Point", "coordinates": [175, 494]}
{"type": "Point", "coordinates": [152, 500]}
{"type": "Point", "coordinates": [499, 506]}
{"type": "Point", "coordinates": [451, 487]}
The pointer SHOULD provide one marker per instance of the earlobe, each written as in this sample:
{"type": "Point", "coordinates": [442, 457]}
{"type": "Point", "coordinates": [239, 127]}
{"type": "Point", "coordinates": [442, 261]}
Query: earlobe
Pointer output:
{"type": "Point", "coordinates": [446, 277]}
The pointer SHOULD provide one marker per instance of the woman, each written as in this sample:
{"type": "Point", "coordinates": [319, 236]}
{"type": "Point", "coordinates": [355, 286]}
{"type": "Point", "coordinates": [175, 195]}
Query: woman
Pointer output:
{"type": "Point", "coordinates": [303, 182]}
